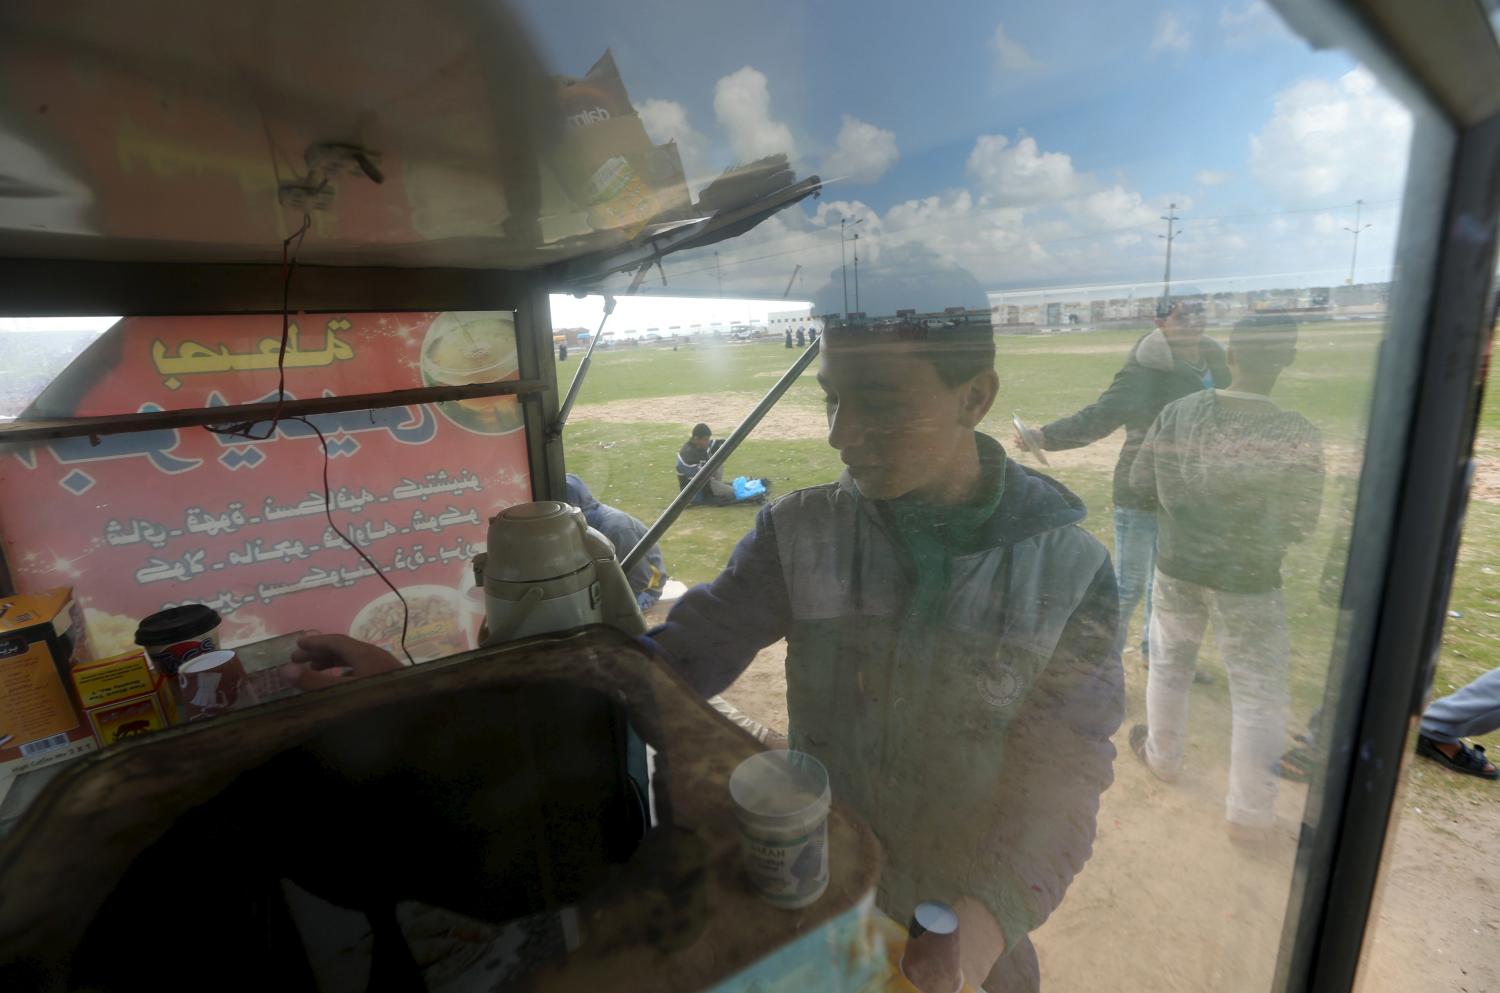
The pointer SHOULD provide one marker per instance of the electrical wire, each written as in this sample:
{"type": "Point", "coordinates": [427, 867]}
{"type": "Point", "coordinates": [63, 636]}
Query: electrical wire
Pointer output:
{"type": "Point", "coordinates": [288, 266]}
{"type": "Point", "coordinates": [291, 246]}
{"type": "Point", "coordinates": [328, 512]}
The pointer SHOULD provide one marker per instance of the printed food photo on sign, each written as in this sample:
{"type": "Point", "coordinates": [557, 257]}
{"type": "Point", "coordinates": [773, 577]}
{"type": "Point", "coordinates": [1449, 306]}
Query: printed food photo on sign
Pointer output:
{"type": "Point", "coordinates": [464, 348]}
{"type": "Point", "coordinates": [241, 524]}
{"type": "Point", "coordinates": [436, 625]}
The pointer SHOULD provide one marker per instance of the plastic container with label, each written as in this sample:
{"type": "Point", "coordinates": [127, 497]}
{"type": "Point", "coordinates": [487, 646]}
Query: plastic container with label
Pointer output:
{"type": "Point", "coordinates": [781, 800]}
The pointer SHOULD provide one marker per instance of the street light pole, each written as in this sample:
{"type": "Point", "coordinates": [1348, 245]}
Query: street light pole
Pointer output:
{"type": "Point", "coordinates": [1354, 257]}
{"type": "Point", "coordinates": [1170, 236]}
{"type": "Point", "coordinates": [856, 272]}
{"type": "Point", "coordinates": [844, 265]}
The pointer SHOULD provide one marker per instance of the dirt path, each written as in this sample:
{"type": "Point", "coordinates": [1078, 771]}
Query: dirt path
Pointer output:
{"type": "Point", "coordinates": [1168, 903]}
{"type": "Point", "coordinates": [787, 421]}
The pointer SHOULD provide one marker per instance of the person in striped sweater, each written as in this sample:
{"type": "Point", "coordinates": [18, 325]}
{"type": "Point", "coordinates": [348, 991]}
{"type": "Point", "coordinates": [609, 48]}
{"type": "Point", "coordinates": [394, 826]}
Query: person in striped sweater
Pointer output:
{"type": "Point", "coordinates": [1239, 480]}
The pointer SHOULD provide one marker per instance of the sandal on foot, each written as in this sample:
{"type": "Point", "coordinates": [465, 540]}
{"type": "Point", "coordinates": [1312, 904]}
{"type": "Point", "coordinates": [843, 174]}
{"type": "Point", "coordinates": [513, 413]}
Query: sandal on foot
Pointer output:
{"type": "Point", "coordinates": [1469, 760]}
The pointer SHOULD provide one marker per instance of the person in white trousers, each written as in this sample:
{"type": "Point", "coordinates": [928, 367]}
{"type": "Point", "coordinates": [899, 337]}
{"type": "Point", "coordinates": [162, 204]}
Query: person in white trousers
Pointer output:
{"type": "Point", "coordinates": [1239, 480]}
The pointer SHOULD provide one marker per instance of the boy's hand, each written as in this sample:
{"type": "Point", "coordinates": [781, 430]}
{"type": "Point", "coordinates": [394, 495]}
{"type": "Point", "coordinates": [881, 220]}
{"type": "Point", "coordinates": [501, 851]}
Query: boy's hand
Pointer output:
{"type": "Point", "coordinates": [1021, 445]}
{"type": "Point", "coordinates": [322, 660]}
{"type": "Point", "coordinates": [980, 943]}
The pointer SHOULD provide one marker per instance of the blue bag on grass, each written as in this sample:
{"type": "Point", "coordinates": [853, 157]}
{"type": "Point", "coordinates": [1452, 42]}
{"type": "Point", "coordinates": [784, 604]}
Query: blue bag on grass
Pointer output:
{"type": "Point", "coordinates": [748, 489]}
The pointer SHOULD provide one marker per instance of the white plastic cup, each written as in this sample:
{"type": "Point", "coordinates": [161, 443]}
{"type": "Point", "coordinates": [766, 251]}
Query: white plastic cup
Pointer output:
{"type": "Point", "coordinates": [781, 800]}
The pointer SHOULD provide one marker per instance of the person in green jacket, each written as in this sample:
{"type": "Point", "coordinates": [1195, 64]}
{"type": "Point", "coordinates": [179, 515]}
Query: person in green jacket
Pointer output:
{"type": "Point", "coordinates": [1171, 362]}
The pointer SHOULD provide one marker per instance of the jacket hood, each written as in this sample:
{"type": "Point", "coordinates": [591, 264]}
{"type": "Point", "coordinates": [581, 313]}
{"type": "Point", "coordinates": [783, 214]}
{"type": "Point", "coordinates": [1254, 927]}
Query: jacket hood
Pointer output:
{"type": "Point", "coordinates": [579, 495]}
{"type": "Point", "coordinates": [1032, 503]}
{"type": "Point", "coordinates": [1154, 351]}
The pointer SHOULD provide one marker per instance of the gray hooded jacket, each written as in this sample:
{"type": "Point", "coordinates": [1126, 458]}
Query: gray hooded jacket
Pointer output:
{"type": "Point", "coordinates": [977, 747]}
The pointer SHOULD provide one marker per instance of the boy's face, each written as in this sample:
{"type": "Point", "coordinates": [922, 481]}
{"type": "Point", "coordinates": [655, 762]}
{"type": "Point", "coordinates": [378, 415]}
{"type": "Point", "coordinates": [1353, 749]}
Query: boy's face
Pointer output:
{"type": "Point", "coordinates": [1184, 323]}
{"type": "Point", "coordinates": [897, 426]}
{"type": "Point", "coordinates": [702, 441]}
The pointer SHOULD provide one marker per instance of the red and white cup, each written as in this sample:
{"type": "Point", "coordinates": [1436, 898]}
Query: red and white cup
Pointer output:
{"type": "Point", "coordinates": [211, 684]}
{"type": "Point", "coordinates": [173, 635]}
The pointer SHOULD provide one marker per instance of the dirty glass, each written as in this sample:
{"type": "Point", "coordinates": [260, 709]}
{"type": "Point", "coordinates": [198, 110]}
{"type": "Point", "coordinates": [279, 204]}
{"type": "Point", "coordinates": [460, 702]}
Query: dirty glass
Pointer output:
{"type": "Point", "coordinates": [148, 520]}
{"type": "Point", "coordinates": [37, 349]}
{"type": "Point", "coordinates": [1030, 582]}
{"type": "Point", "coordinates": [186, 362]}
{"type": "Point", "coordinates": [1049, 575]}
{"type": "Point", "coordinates": [233, 516]}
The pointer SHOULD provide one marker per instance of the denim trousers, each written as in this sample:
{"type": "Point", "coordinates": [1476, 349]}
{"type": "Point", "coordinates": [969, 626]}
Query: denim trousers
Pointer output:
{"type": "Point", "coordinates": [1469, 710]}
{"type": "Point", "coordinates": [1135, 563]}
{"type": "Point", "coordinates": [1256, 650]}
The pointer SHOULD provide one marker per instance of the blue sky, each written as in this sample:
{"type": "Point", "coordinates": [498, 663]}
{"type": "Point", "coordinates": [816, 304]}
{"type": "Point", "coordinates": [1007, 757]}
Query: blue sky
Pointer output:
{"type": "Point", "coordinates": [1027, 144]}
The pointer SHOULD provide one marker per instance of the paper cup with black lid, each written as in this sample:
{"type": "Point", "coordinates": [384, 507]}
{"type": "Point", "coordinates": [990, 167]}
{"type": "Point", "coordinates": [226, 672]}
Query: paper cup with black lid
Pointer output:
{"type": "Point", "coordinates": [177, 634]}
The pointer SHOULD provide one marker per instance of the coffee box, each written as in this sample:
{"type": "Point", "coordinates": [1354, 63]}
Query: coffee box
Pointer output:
{"type": "Point", "coordinates": [40, 637]}
{"type": "Point", "coordinates": [123, 697]}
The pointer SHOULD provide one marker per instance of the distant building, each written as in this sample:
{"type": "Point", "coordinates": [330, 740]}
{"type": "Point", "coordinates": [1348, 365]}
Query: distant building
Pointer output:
{"type": "Point", "coordinates": [1225, 299]}
{"type": "Point", "coordinates": [779, 321]}
{"type": "Point", "coordinates": [573, 337]}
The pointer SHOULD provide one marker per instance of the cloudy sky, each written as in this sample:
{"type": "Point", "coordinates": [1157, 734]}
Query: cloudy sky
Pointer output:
{"type": "Point", "coordinates": [984, 146]}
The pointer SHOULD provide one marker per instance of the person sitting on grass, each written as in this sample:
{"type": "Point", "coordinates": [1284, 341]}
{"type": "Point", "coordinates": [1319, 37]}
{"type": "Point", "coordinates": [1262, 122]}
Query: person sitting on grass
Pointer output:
{"type": "Point", "coordinates": [697, 450]}
{"type": "Point", "coordinates": [649, 575]}
{"type": "Point", "coordinates": [1239, 480]}
{"type": "Point", "coordinates": [950, 633]}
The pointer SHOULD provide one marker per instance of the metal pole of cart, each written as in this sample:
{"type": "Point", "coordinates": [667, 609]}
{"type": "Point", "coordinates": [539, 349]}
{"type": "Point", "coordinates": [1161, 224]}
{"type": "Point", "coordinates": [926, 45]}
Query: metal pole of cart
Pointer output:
{"type": "Point", "coordinates": [718, 458]}
{"type": "Point", "coordinates": [588, 356]}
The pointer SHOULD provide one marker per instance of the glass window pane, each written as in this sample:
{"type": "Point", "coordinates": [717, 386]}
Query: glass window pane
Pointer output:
{"type": "Point", "coordinates": [176, 363]}
{"type": "Point", "coordinates": [1186, 290]}
{"type": "Point", "coordinates": [137, 522]}
{"type": "Point", "coordinates": [37, 349]}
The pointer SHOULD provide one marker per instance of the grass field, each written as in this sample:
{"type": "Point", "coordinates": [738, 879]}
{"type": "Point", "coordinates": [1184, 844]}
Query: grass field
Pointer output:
{"type": "Point", "coordinates": [639, 404]}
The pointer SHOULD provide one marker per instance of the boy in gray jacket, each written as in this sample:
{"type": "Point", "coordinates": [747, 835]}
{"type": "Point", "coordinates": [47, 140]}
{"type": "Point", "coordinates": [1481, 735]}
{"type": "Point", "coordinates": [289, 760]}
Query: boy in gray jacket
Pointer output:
{"type": "Point", "coordinates": [950, 633]}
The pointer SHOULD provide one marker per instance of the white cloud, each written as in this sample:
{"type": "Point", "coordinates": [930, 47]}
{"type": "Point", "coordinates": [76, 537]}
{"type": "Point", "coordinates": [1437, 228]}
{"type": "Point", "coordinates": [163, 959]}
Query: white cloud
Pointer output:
{"type": "Point", "coordinates": [742, 103]}
{"type": "Point", "coordinates": [1170, 34]}
{"type": "Point", "coordinates": [1011, 54]}
{"type": "Point", "coordinates": [666, 120]}
{"type": "Point", "coordinates": [862, 152]}
{"type": "Point", "coordinates": [1254, 23]}
{"type": "Point", "coordinates": [1212, 177]}
{"type": "Point", "coordinates": [1113, 209]}
{"type": "Point", "coordinates": [1329, 140]}
{"type": "Point", "coordinates": [1021, 174]}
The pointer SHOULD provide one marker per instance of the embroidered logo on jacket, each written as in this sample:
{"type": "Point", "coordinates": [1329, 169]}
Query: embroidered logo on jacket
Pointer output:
{"type": "Point", "coordinates": [998, 684]}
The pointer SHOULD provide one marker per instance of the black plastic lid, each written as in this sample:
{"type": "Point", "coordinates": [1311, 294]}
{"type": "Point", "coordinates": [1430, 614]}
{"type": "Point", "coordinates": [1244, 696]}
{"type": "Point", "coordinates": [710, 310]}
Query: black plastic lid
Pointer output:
{"type": "Point", "coordinates": [177, 624]}
{"type": "Point", "coordinates": [932, 917]}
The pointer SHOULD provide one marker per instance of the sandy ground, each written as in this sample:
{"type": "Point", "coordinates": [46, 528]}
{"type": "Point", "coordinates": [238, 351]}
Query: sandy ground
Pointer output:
{"type": "Point", "coordinates": [1486, 472]}
{"type": "Point", "coordinates": [1168, 903]}
{"type": "Point", "coordinates": [785, 421]}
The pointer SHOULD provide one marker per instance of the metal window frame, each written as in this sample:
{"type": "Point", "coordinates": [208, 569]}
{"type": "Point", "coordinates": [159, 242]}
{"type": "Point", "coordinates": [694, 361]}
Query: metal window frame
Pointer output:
{"type": "Point", "coordinates": [1420, 438]}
